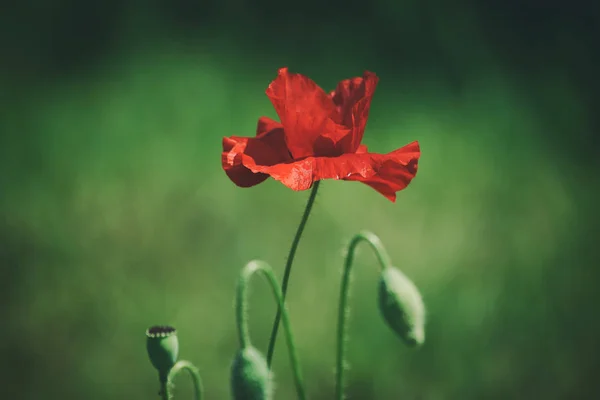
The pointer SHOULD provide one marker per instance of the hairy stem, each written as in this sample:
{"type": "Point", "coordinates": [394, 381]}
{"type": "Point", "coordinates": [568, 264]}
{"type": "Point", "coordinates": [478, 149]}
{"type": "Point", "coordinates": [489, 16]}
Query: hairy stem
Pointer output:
{"type": "Point", "coordinates": [242, 321]}
{"type": "Point", "coordinates": [167, 386]}
{"type": "Point", "coordinates": [384, 262]}
{"type": "Point", "coordinates": [288, 268]}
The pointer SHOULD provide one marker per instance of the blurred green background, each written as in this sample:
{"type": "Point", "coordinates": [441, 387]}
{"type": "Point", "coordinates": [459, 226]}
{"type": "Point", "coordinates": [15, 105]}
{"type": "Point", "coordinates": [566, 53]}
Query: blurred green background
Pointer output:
{"type": "Point", "coordinates": [115, 213]}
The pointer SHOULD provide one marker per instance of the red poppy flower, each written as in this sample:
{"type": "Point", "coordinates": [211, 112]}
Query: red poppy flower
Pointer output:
{"type": "Point", "coordinates": [318, 138]}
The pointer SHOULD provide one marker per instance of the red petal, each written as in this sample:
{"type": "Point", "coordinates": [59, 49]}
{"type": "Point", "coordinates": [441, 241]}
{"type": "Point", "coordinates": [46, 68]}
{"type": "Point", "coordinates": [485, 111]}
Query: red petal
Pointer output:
{"type": "Point", "coordinates": [386, 173]}
{"type": "Point", "coordinates": [267, 148]}
{"type": "Point", "coordinates": [361, 149]}
{"type": "Point", "coordinates": [306, 112]}
{"type": "Point", "coordinates": [352, 98]}
{"type": "Point", "coordinates": [394, 172]}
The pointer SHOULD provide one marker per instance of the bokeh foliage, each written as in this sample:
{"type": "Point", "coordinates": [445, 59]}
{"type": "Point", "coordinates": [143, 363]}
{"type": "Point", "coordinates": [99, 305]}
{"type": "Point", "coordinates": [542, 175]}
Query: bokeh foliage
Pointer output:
{"type": "Point", "coordinates": [115, 214]}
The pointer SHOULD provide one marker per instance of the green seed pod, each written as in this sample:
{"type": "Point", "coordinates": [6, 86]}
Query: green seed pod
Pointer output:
{"type": "Point", "coordinates": [251, 378]}
{"type": "Point", "coordinates": [402, 306]}
{"type": "Point", "coordinates": [163, 348]}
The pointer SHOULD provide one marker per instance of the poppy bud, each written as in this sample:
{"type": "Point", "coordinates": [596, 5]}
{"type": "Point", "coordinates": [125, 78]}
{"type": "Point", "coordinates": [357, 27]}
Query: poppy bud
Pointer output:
{"type": "Point", "coordinates": [250, 376]}
{"type": "Point", "coordinates": [402, 306]}
{"type": "Point", "coordinates": [163, 348]}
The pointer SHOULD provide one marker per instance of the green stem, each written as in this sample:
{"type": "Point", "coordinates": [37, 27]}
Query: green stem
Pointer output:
{"type": "Point", "coordinates": [241, 309]}
{"type": "Point", "coordinates": [167, 386]}
{"type": "Point", "coordinates": [164, 392]}
{"type": "Point", "coordinates": [384, 261]}
{"type": "Point", "coordinates": [288, 268]}
{"type": "Point", "coordinates": [242, 320]}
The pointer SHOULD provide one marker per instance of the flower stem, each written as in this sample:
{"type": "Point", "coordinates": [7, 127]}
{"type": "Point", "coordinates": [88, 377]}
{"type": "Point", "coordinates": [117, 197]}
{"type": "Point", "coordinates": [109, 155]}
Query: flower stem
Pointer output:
{"type": "Point", "coordinates": [164, 391]}
{"type": "Point", "coordinates": [343, 311]}
{"type": "Point", "coordinates": [288, 268]}
{"type": "Point", "coordinates": [242, 321]}
{"type": "Point", "coordinates": [167, 386]}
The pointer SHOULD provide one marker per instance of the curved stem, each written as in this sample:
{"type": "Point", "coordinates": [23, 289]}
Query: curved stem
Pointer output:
{"type": "Point", "coordinates": [288, 268]}
{"type": "Point", "coordinates": [242, 320]}
{"type": "Point", "coordinates": [241, 309]}
{"type": "Point", "coordinates": [194, 373]}
{"type": "Point", "coordinates": [384, 262]}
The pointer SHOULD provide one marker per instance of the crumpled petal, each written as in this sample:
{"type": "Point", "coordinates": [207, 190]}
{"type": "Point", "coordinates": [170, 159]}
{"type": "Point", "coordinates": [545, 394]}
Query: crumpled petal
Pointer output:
{"type": "Point", "coordinates": [352, 98]}
{"type": "Point", "coordinates": [395, 172]}
{"type": "Point", "coordinates": [307, 114]}
{"type": "Point", "coordinates": [386, 173]}
{"type": "Point", "coordinates": [267, 148]}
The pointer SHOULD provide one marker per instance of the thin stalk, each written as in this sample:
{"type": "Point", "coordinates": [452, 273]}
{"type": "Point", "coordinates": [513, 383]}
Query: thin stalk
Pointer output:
{"type": "Point", "coordinates": [167, 387]}
{"type": "Point", "coordinates": [288, 268]}
{"type": "Point", "coordinates": [242, 321]}
{"type": "Point", "coordinates": [384, 262]}
{"type": "Point", "coordinates": [164, 392]}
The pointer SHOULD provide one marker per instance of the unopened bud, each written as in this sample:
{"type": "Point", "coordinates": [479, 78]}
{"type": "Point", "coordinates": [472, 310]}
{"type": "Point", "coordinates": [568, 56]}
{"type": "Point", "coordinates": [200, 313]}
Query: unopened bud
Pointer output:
{"type": "Point", "coordinates": [163, 348]}
{"type": "Point", "coordinates": [251, 377]}
{"type": "Point", "coordinates": [402, 306]}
